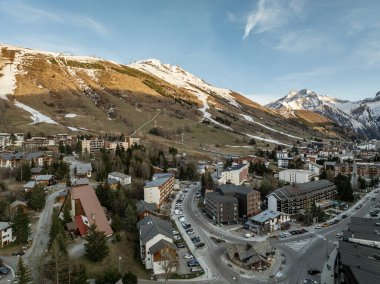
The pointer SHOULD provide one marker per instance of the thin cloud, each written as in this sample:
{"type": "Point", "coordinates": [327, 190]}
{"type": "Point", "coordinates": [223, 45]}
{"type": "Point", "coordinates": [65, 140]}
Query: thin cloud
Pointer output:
{"type": "Point", "coordinates": [271, 14]}
{"type": "Point", "coordinates": [23, 13]}
{"type": "Point", "coordinates": [301, 41]}
{"type": "Point", "coordinates": [301, 77]}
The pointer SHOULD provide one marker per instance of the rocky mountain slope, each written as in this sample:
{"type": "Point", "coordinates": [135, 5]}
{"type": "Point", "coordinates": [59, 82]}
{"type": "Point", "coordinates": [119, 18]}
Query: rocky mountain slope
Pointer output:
{"type": "Point", "coordinates": [56, 93]}
{"type": "Point", "coordinates": [362, 116]}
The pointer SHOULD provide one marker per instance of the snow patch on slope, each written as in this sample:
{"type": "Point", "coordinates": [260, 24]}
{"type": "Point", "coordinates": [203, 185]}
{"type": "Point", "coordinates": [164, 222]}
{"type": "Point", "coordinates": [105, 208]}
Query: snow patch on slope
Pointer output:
{"type": "Point", "coordinates": [36, 116]}
{"type": "Point", "coordinates": [250, 119]}
{"type": "Point", "coordinates": [8, 75]}
{"type": "Point", "coordinates": [181, 78]}
{"type": "Point", "coordinates": [71, 115]}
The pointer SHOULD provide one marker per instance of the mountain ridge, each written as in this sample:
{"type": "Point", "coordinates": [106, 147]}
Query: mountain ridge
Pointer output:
{"type": "Point", "coordinates": [363, 115]}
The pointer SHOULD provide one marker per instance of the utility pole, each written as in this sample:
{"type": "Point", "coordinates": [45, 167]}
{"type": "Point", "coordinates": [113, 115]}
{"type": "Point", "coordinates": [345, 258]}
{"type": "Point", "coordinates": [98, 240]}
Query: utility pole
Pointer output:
{"type": "Point", "coordinates": [182, 137]}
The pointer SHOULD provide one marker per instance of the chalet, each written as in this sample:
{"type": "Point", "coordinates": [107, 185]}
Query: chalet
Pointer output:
{"type": "Point", "coordinates": [156, 240]}
{"type": "Point", "coordinates": [36, 172]}
{"type": "Point", "coordinates": [45, 180]}
{"type": "Point", "coordinates": [145, 209]}
{"type": "Point", "coordinates": [15, 205]}
{"type": "Point", "coordinates": [251, 257]}
{"type": "Point", "coordinates": [86, 210]}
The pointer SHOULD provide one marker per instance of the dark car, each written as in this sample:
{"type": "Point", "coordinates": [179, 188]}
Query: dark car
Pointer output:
{"type": "Point", "coordinates": [192, 263]}
{"type": "Point", "coordinates": [200, 245]}
{"type": "Point", "coordinates": [344, 216]}
{"type": "Point", "coordinates": [18, 253]}
{"type": "Point", "coordinates": [293, 232]}
{"type": "Point", "coordinates": [313, 271]}
{"type": "Point", "coordinates": [4, 270]}
{"type": "Point", "coordinates": [181, 245]}
{"type": "Point", "coordinates": [303, 231]}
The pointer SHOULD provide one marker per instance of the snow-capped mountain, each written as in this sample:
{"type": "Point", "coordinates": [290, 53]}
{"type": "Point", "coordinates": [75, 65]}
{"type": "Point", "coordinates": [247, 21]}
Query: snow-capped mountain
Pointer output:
{"type": "Point", "coordinates": [362, 116]}
{"type": "Point", "coordinates": [41, 90]}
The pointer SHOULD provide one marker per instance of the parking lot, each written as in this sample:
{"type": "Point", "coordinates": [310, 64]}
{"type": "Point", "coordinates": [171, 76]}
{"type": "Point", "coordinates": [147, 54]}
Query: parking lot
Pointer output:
{"type": "Point", "coordinates": [185, 235]}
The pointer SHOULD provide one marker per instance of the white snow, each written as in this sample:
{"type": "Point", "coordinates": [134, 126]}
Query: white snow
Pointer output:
{"type": "Point", "coordinates": [269, 140]}
{"type": "Point", "coordinates": [91, 73]}
{"type": "Point", "coordinates": [9, 72]}
{"type": "Point", "coordinates": [36, 116]}
{"type": "Point", "coordinates": [183, 79]}
{"type": "Point", "coordinates": [71, 115]}
{"type": "Point", "coordinates": [250, 119]}
{"type": "Point", "coordinates": [73, 128]}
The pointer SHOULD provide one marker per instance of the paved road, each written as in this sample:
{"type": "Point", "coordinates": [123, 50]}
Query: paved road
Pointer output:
{"type": "Point", "coordinates": [41, 235]}
{"type": "Point", "coordinates": [308, 251]}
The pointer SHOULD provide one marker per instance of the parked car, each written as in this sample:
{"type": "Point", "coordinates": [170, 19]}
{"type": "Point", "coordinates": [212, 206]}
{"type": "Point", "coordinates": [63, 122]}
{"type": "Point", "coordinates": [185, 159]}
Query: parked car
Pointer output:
{"type": "Point", "coordinates": [195, 269]}
{"type": "Point", "coordinates": [188, 256]}
{"type": "Point", "coordinates": [20, 252]}
{"type": "Point", "coordinates": [318, 227]}
{"type": "Point", "coordinates": [339, 235]}
{"type": "Point", "coordinates": [325, 225]}
{"type": "Point", "coordinates": [177, 237]}
{"type": "Point", "coordinates": [248, 235]}
{"type": "Point", "coordinates": [181, 245]}
{"type": "Point", "coordinates": [309, 281]}
{"type": "Point", "coordinates": [200, 245]}
{"type": "Point", "coordinates": [303, 230]}
{"type": "Point", "coordinates": [313, 271]}
{"type": "Point", "coordinates": [4, 270]}
{"type": "Point", "coordinates": [344, 216]}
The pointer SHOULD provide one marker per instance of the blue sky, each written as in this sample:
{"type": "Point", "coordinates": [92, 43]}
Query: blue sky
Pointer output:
{"type": "Point", "coordinates": [262, 49]}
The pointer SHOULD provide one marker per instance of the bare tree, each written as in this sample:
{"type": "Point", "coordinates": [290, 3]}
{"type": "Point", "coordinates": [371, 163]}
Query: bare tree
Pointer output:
{"type": "Point", "coordinates": [169, 262]}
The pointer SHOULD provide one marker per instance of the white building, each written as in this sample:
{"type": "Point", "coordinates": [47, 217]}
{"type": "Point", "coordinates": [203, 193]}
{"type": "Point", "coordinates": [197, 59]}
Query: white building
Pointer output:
{"type": "Point", "coordinates": [296, 176]}
{"type": "Point", "coordinates": [315, 168]}
{"type": "Point", "coordinates": [267, 221]}
{"type": "Point", "coordinates": [122, 178]}
{"type": "Point", "coordinates": [157, 190]}
{"type": "Point", "coordinates": [5, 233]}
{"type": "Point", "coordinates": [156, 239]}
{"type": "Point", "coordinates": [235, 174]}
{"type": "Point", "coordinates": [92, 145]}
{"type": "Point", "coordinates": [283, 162]}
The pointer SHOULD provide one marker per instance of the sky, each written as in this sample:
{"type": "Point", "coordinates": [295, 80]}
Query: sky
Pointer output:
{"type": "Point", "coordinates": [261, 48]}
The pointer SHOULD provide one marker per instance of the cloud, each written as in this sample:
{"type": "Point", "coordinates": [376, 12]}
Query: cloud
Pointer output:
{"type": "Point", "coordinates": [300, 41]}
{"type": "Point", "coordinates": [25, 14]}
{"type": "Point", "coordinates": [301, 77]}
{"type": "Point", "coordinates": [271, 14]}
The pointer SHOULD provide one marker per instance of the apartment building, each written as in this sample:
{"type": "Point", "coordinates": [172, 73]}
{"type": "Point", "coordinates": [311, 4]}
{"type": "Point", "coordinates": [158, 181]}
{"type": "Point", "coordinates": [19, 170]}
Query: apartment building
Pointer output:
{"type": "Point", "coordinates": [292, 198]}
{"type": "Point", "coordinates": [249, 200]}
{"type": "Point", "coordinates": [5, 233]}
{"type": "Point", "coordinates": [267, 221]}
{"type": "Point", "coordinates": [295, 176]}
{"type": "Point", "coordinates": [157, 190]}
{"type": "Point", "coordinates": [222, 208]}
{"type": "Point", "coordinates": [92, 145]}
{"type": "Point", "coordinates": [123, 179]}
{"type": "Point", "coordinates": [236, 174]}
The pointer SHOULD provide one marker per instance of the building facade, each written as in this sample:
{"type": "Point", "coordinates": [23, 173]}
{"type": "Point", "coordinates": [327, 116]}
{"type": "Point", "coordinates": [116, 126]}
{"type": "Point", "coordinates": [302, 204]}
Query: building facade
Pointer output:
{"type": "Point", "coordinates": [159, 189]}
{"type": "Point", "coordinates": [249, 199]}
{"type": "Point", "coordinates": [295, 176]}
{"type": "Point", "coordinates": [6, 236]}
{"type": "Point", "coordinates": [291, 199]}
{"type": "Point", "coordinates": [235, 174]}
{"type": "Point", "coordinates": [222, 208]}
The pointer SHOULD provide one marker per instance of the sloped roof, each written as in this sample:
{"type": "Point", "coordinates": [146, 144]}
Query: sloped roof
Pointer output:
{"type": "Point", "coordinates": [83, 168]}
{"type": "Point", "coordinates": [44, 177]}
{"type": "Point", "coordinates": [143, 206]}
{"type": "Point", "coordinates": [290, 191]}
{"type": "Point", "coordinates": [151, 226]}
{"type": "Point", "coordinates": [119, 175]}
{"type": "Point", "coordinates": [91, 206]}
{"type": "Point", "coordinates": [17, 203]}
{"type": "Point", "coordinates": [30, 184]}
{"type": "Point", "coordinates": [265, 216]}
{"type": "Point", "coordinates": [161, 244]}
{"type": "Point", "coordinates": [157, 182]}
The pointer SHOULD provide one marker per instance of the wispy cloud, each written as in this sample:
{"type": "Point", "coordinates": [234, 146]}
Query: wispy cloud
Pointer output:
{"type": "Point", "coordinates": [301, 77]}
{"type": "Point", "coordinates": [24, 13]}
{"type": "Point", "coordinates": [270, 14]}
{"type": "Point", "coordinates": [305, 40]}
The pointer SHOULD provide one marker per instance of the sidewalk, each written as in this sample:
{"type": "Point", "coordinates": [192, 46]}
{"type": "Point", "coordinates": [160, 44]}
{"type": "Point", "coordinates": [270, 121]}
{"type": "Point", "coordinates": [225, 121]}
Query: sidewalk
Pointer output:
{"type": "Point", "coordinates": [327, 275]}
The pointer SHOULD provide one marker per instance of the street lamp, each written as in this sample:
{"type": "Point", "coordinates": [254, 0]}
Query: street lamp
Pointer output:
{"type": "Point", "coordinates": [119, 263]}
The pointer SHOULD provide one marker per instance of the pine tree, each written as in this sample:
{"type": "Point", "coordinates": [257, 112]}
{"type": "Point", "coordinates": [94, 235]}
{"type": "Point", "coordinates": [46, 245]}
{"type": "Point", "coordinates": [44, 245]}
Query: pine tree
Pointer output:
{"type": "Point", "coordinates": [56, 226]}
{"type": "Point", "coordinates": [78, 274]}
{"type": "Point", "coordinates": [21, 226]}
{"type": "Point", "coordinates": [97, 247]}
{"type": "Point", "coordinates": [67, 215]}
{"type": "Point", "coordinates": [23, 273]}
{"type": "Point", "coordinates": [130, 217]}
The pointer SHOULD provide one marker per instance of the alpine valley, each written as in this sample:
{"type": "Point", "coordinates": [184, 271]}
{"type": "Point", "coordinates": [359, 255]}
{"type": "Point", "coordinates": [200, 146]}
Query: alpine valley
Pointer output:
{"type": "Point", "coordinates": [58, 93]}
